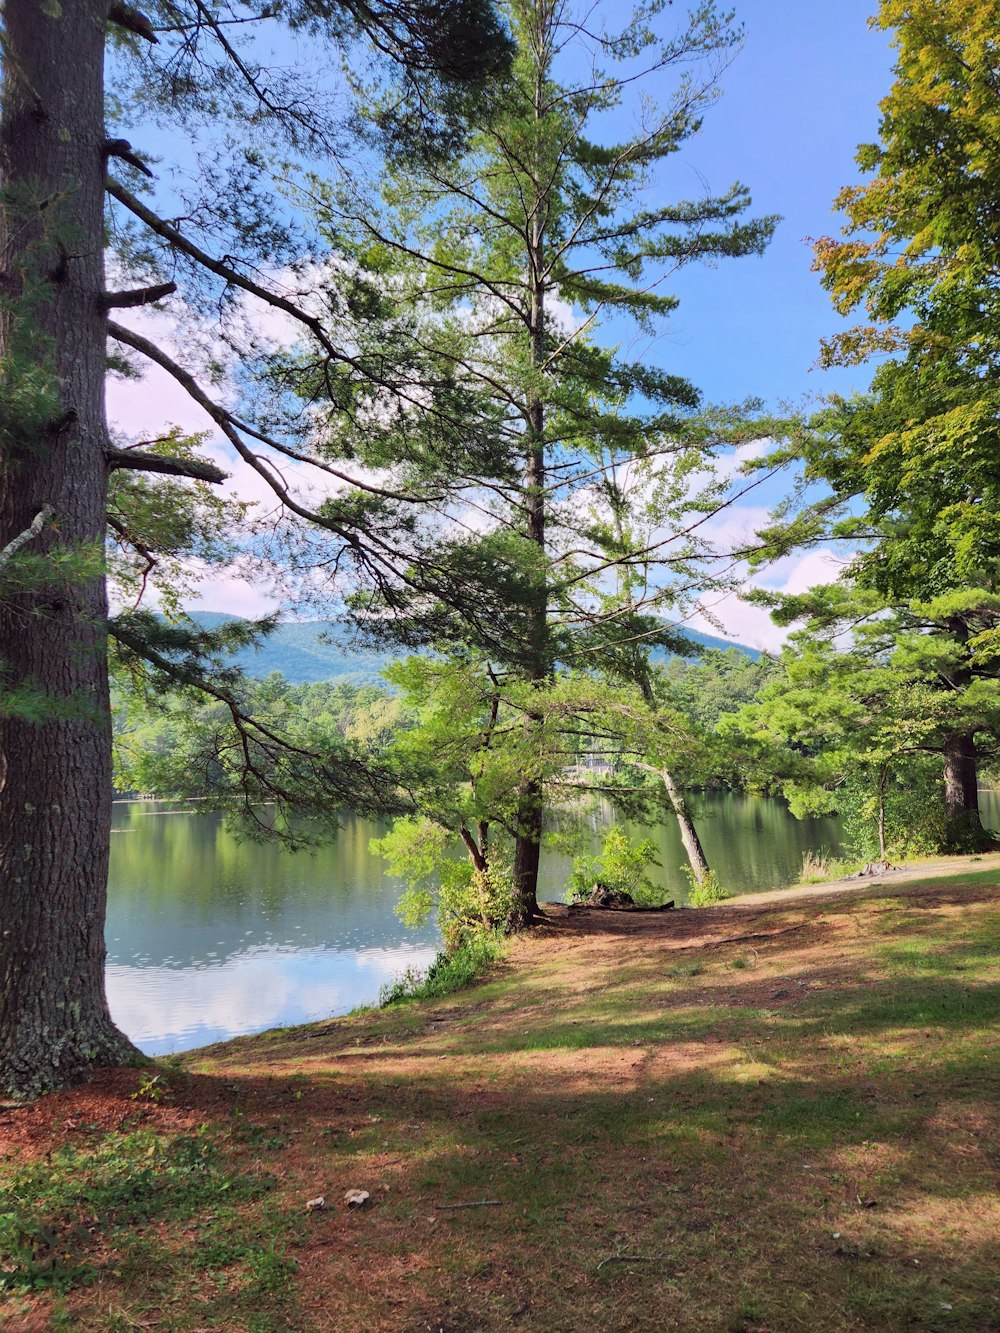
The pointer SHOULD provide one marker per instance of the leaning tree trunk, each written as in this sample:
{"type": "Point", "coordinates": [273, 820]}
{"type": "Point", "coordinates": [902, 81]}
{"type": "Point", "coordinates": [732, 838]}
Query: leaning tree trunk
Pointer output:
{"type": "Point", "coordinates": [964, 831]}
{"type": "Point", "coordinates": [55, 735]}
{"type": "Point", "coordinates": [689, 835]}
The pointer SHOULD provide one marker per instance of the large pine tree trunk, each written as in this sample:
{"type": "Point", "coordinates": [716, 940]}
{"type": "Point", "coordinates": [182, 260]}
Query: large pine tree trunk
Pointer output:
{"type": "Point", "coordinates": [55, 770]}
{"type": "Point", "coordinates": [965, 831]}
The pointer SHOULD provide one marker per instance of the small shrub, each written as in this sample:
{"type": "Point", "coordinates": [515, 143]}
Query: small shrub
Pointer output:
{"type": "Point", "coordinates": [707, 891]}
{"type": "Point", "coordinates": [152, 1088]}
{"type": "Point", "coordinates": [619, 866]}
{"type": "Point", "coordinates": [449, 972]}
{"type": "Point", "coordinates": [821, 865]}
{"type": "Point", "coordinates": [469, 902]}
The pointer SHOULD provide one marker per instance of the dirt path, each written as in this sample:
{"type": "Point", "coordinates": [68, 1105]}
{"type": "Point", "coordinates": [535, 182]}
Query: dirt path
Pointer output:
{"type": "Point", "coordinates": [747, 907]}
{"type": "Point", "coordinates": [940, 868]}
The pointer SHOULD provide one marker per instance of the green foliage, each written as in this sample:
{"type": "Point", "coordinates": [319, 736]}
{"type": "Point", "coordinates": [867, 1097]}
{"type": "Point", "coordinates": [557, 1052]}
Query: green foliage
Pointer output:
{"type": "Point", "coordinates": [715, 683]}
{"type": "Point", "coordinates": [469, 901]}
{"type": "Point", "coordinates": [919, 257]}
{"type": "Point", "coordinates": [452, 970]}
{"type": "Point", "coordinates": [620, 866]}
{"type": "Point", "coordinates": [166, 535]}
{"type": "Point", "coordinates": [705, 892]}
{"type": "Point", "coordinates": [914, 812]}
{"type": "Point", "coordinates": [867, 698]}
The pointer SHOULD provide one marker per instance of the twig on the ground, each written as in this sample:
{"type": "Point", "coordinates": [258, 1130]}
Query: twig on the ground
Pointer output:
{"type": "Point", "coordinates": [736, 939]}
{"type": "Point", "coordinates": [473, 1203]}
{"type": "Point", "coordinates": [625, 1259]}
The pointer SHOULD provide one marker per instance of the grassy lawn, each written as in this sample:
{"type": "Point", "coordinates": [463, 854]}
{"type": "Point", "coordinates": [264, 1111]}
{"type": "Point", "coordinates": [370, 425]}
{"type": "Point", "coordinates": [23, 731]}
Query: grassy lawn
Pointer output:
{"type": "Point", "coordinates": [744, 1118]}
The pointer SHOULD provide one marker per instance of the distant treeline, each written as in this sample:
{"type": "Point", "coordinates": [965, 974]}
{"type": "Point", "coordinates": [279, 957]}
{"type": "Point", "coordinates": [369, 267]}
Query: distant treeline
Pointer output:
{"type": "Point", "coordinates": [163, 747]}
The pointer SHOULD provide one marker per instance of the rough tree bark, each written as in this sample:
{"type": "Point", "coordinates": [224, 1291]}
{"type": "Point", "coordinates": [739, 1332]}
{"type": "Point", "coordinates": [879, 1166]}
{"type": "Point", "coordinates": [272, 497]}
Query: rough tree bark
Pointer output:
{"type": "Point", "coordinates": [961, 792]}
{"type": "Point", "coordinates": [55, 773]}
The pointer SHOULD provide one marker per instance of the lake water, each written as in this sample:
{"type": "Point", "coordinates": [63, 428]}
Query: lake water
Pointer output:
{"type": "Point", "coordinates": [209, 938]}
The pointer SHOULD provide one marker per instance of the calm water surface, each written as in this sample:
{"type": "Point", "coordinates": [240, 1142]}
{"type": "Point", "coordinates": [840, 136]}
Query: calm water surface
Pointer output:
{"type": "Point", "coordinates": [209, 938]}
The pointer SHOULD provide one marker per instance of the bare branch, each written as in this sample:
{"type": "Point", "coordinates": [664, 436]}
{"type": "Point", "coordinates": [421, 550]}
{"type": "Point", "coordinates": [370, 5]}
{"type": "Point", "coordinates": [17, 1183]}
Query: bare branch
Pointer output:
{"type": "Point", "coordinates": [121, 148]}
{"type": "Point", "coordinates": [29, 534]}
{"type": "Point", "coordinates": [195, 468]}
{"type": "Point", "coordinates": [138, 296]}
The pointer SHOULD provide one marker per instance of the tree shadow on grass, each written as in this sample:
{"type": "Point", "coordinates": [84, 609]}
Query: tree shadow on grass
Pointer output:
{"type": "Point", "coordinates": [801, 1197]}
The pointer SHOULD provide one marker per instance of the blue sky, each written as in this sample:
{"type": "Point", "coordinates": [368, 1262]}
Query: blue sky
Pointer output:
{"type": "Point", "coordinates": [796, 102]}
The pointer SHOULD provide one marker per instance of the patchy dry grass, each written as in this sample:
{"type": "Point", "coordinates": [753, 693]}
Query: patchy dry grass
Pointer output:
{"type": "Point", "coordinates": [738, 1119]}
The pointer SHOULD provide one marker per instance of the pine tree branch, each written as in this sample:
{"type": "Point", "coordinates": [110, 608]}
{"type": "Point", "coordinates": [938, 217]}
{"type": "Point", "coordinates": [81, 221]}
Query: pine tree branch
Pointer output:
{"type": "Point", "coordinates": [137, 296]}
{"type": "Point", "coordinates": [233, 427]}
{"type": "Point", "coordinates": [178, 241]}
{"type": "Point", "coordinates": [195, 468]}
{"type": "Point", "coordinates": [263, 94]}
{"type": "Point", "coordinates": [442, 266]}
{"type": "Point", "coordinates": [370, 550]}
{"type": "Point", "coordinates": [125, 16]}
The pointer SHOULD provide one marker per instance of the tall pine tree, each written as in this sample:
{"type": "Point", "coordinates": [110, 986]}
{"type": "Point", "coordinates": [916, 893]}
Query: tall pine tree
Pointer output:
{"type": "Point", "coordinates": [501, 262]}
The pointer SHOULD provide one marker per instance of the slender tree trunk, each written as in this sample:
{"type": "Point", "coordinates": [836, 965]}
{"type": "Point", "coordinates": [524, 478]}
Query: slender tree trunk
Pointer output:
{"type": "Point", "coordinates": [55, 772]}
{"type": "Point", "coordinates": [961, 793]}
{"type": "Point", "coordinates": [689, 836]}
{"type": "Point", "coordinates": [883, 778]}
{"type": "Point", "coordinates": [697, 859]}
{"type": "Point", "coordinates": [530, 812]}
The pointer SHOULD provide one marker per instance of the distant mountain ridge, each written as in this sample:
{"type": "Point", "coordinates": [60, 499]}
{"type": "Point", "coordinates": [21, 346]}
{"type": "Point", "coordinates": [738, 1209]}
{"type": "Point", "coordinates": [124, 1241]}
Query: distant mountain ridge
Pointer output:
{"type": "Point", "coordinates": [305, 651]}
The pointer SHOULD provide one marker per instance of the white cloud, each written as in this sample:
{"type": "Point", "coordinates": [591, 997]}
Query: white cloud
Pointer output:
{"type": "Point", "coordinates": [752, 625]}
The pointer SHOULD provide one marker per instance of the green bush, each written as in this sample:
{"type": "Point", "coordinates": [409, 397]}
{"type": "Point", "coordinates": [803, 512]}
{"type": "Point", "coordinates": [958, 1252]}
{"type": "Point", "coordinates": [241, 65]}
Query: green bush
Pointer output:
{"type": "Point", "coordinates": [620, 866]}
{"type": "Point", "coordinates": [708, 891]}
{"type": "Point", "coordinates": [450, 971]}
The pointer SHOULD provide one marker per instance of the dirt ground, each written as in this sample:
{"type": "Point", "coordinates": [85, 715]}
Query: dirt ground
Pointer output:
{"type": "Point", "coordinates": [757, 1117]}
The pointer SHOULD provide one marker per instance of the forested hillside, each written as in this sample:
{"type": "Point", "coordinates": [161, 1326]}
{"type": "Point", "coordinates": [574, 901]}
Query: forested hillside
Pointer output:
{"type": "Point", "coordinates": [305, 651]}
